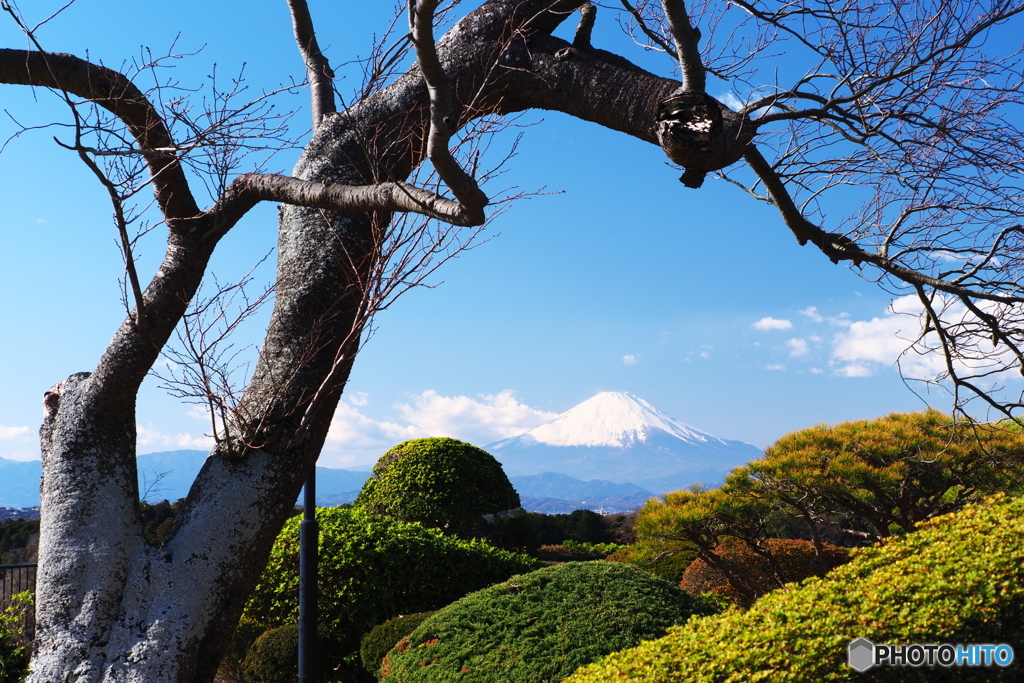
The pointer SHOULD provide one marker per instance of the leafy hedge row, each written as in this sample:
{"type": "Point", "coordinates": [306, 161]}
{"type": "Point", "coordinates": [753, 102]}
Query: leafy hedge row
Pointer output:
{"type": "Point", "coordinates": [959, 579]}
{"type": "Point", "coordinates": [373, 568]}
{"type": "Point", "coordinates": [540, 627]}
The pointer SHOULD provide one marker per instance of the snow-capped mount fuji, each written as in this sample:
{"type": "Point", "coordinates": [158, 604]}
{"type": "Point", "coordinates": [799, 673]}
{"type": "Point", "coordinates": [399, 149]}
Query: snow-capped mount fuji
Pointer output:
{"type": "Point", "coordinates": [621, 438]}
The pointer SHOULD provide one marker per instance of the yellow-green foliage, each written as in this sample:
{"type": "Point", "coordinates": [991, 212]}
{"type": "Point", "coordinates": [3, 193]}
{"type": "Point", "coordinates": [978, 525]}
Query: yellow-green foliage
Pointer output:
{"type": "Point", "coordinates": [667, 559]}
{"type": "Point", "coordinates": [892, 472]}
{"type": "Point", "coordinates": [959, 579]}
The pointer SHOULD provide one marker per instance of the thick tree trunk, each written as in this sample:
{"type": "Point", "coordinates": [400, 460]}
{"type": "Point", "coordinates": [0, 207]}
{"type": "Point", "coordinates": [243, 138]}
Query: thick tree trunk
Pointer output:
{"type": "Point", "coordinates": [112, 608]}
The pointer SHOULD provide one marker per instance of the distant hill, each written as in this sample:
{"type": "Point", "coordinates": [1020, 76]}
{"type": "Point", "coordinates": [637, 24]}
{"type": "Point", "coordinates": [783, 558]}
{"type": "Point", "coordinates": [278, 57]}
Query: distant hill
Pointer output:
{"type": "Point", "coordinates": [620, 438]}
{"type": "Point", "coordinates": [167, 475]}
{"type": "Point", "coordinates": [612, 452]}
{"type": "Point", "coordinates": [20, 479]}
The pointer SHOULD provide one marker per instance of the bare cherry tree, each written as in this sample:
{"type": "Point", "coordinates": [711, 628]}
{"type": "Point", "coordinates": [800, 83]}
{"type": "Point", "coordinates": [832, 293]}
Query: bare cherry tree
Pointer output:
{"type": "Point", "coordinates": [909, 110]}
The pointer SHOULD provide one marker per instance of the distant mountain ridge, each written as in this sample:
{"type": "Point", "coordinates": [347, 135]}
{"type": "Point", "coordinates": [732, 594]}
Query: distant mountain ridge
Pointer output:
{"type": "Point", "coordinates": [612, 452]}
{"type": "Point", "coordinates": [169, 475]}
{"type": "Point", "coordinates": [622, 438]}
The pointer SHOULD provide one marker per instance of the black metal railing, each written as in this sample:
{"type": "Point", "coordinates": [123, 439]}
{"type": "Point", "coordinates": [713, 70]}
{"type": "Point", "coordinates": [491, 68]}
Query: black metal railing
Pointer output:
{"type": "Point", "coordinates": [14, 579]}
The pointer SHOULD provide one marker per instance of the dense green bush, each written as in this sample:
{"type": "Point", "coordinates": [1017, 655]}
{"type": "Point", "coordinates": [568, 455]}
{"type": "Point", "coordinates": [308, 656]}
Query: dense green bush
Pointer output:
{"type": "Point", "coordinates": [232, 664]}
{"type": "Point", "coordinates": [373, 568]}
{"type": "Point", "coordinates": [439, 482]}
{"type": "Point", "coordinates": [14, 648]}
{"type": "Point", "coordinates": [959, 579]}
{"type": "Point", "coordinates": [667, 559]}
{"type": "Point", "coordinates": [738, 563]}
{"type": "Point", "coordinates": [274, 656]}
{"type": "Point", "coordinates": [540, 627]}
{"type": "Point", "coordinates": [385, 636]}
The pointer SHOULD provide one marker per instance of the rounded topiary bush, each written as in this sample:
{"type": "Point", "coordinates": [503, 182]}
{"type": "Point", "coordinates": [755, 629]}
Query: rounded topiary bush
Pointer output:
{"type": "Point", "coordinates": [797, 560]}
{"type": "Point", "coordinates": [232, 665]}
{"type": "Point", "coordinates": [383, 637]}
{"type": "Point", "coordinates": [439, 482]}
{"type": "Point", "coordinates": [540, 627]}
{"type": "Point", "coordinates": [274, 656]}
{"type": "Point", "coordinates": [959, 579]}
{"type": "Point", "coordinates": [373, 568]}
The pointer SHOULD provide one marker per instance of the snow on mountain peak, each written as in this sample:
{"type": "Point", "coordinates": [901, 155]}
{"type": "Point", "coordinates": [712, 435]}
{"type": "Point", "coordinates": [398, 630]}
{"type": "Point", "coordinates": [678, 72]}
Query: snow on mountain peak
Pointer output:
{"type": "Point", "coordinates": [612, 418]}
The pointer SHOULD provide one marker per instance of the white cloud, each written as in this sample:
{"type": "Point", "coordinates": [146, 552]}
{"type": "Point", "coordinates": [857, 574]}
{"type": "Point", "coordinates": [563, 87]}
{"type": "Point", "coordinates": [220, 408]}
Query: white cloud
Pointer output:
{"type": "Point", "coordinates": [812, 313]}
{"type": "Point", "coordinates": [867, 344]}
{"type": "Point", "coordinates": [356, 439]}
{"type": "Point", "coordinates": [478, 421]}
{"type": "Point", "coordinates": [854, 370]}
{"type": "Point", "coordinates": [816, 371]}
{"type": "Point", "coordinates": [731, 100]}
{"type": "Point", "coordinates": [358, 398]}
{"type": "Point", "coordinates": [150, 437]}
{"type": "Point", "coordinates": [199, 412]}
{"type": "Point", "coordinates": [13, 433]}
{"type": "Point", "coordinates": [351, 430]}
{"type": "Point", "coordinates": [770, 323]}
{"type": "Point", "coordinates": [21, 455]}
{"type": "Point", "coordinates": [630, 359]}
{"type": "Point", "coordinates": [797, 347]}
{"type": "Point", "coordinates": [780, 368]}
{"type": "Point", "coordinates": [884, 341]}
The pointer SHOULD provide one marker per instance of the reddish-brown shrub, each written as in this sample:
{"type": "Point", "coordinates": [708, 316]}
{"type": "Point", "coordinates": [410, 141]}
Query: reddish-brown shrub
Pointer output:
{"type": "Point", "coordinates": [750, 575]}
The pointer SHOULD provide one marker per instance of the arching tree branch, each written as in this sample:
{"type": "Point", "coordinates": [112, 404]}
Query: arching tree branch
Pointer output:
{"type": "Point", "coordinates": [318, 69]}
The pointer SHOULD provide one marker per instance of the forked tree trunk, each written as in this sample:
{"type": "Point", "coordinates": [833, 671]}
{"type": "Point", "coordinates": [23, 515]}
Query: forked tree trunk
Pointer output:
{"type": "Point", "coordinates": [109, 606]}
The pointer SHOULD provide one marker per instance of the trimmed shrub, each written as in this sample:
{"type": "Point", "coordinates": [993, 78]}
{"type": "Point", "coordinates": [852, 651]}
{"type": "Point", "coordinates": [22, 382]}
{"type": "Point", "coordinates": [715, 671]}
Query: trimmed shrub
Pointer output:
{"type": "Point", "coordinates": [796, 559]}
{"type": "Point", "coordinates": [959, 579]}
{"type": "Point", "coordinates": [373, 568]}
{"type": "Point", "coordinates": [540, 627]}
{"type": "Point", "coordinates": [385, 636]}
{"type": "Point", "coordinates": [274, 656]}
{"type": "Point", "coordinates": [667, 559]}
{"type": "Point", "coordinates": [232, 665]}
{"type": "Point", "coordinates": [439, 482]}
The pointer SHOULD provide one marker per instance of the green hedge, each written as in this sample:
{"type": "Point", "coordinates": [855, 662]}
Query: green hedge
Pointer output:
{"type": "Point", "coordinates": [959, 579]}
{"type": "Point", "coordinates": [540, 627]}
{"type": "Point", "coordinates": [383, 637]}
{"type": "Point", "coordinates": [373, 568]}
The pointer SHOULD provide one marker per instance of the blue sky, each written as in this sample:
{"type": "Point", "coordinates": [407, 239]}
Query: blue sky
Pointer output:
{"type": "Point", "coordinates": [615, 278]}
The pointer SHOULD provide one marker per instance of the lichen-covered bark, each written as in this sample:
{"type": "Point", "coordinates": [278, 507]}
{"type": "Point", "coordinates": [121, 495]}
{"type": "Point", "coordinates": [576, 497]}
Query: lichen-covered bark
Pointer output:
{"type": "Point", "coordinates": [111, 608]}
